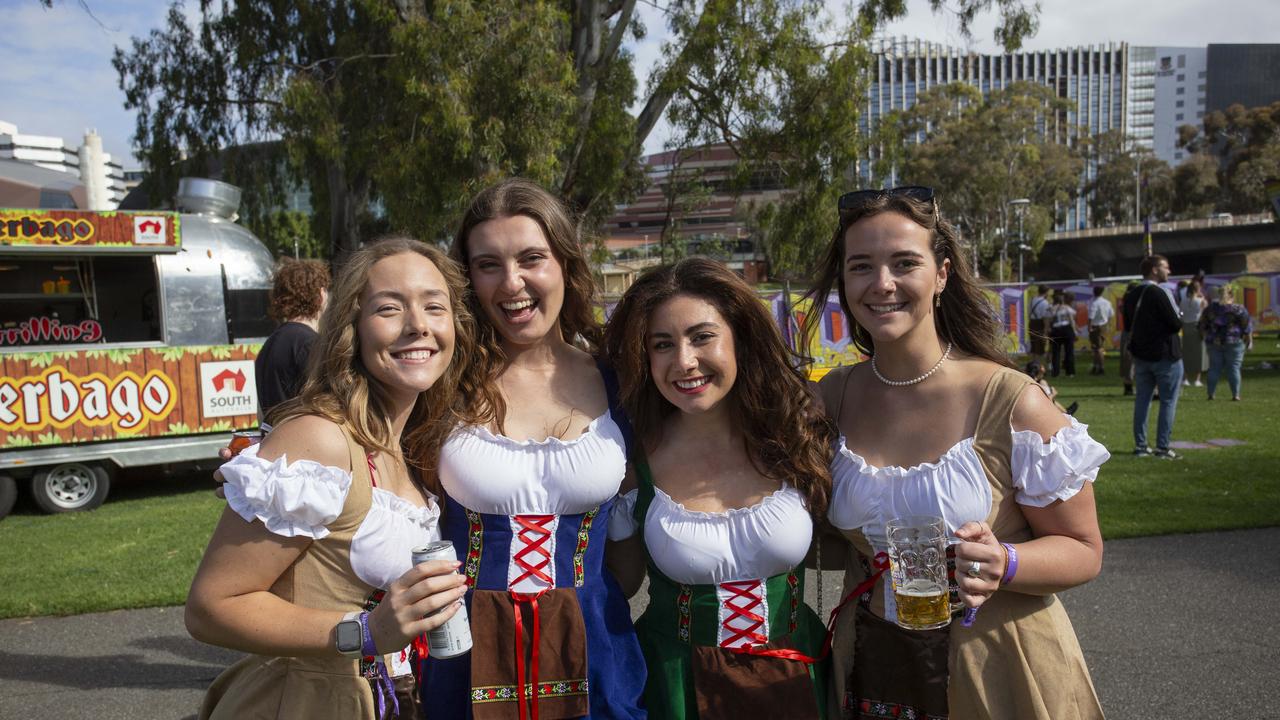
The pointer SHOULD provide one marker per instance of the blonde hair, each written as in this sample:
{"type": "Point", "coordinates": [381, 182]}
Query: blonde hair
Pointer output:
{"type": "Point", "coordinates": [1225, 293]}
{"type": "Point", "coordinates": [339, 387]}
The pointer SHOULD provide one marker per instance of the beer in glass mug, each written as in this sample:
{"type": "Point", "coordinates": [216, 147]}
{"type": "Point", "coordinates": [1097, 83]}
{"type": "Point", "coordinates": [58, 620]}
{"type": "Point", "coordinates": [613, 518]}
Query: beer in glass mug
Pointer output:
{"type": "Point", "coordinates": [918, 564]}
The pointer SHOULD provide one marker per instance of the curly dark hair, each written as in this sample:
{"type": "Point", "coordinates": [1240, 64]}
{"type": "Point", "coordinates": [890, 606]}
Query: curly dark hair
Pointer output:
{"type": "Point", "coordinates": [510, 198]}
{"type": "Point", "coordinates": [785, 436]}
{"type": "Point", "coordinates": [963, 316]}
{"type": "Point", "coordinates": [295, 289]}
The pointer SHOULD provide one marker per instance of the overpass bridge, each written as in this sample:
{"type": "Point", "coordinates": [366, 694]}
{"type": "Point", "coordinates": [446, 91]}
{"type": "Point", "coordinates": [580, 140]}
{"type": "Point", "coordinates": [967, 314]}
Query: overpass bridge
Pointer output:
{"type": "Point", "coordinates": [1221, 244]}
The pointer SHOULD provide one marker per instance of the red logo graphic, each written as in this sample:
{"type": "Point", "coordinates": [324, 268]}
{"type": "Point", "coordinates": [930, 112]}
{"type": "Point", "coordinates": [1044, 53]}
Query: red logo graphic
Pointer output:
{"type": "Point", "coordinates": [152, 226]}
{"type": "Point", "coordinates": [229, 381]}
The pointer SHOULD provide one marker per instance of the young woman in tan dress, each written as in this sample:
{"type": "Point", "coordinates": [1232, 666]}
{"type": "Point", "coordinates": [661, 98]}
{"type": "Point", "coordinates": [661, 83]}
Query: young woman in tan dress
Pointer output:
{"type": "Point", "coordinates": [937, 423]}
{"type": "Point", "coordinates": [323, 514]}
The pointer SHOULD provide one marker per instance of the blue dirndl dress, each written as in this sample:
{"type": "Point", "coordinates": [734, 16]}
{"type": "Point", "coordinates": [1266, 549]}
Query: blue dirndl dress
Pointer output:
{"type": "Point", "coordinates": [545, 614]}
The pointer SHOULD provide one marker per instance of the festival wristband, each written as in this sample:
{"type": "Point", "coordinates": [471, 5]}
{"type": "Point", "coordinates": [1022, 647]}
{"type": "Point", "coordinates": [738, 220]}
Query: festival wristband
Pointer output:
{"type": "Point", "coordinates": [366, 645]}
{"type": "Point", "coordinates": [1011, 568]}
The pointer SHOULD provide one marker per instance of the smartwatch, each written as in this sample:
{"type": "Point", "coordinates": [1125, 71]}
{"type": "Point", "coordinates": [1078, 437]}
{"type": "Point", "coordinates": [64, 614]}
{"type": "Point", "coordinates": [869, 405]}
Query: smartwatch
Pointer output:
{"type": "Point", "coordinates": [348, 637]}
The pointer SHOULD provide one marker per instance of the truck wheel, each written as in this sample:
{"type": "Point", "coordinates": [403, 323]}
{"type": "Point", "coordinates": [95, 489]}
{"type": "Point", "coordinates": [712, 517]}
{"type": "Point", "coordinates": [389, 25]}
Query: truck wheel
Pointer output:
{"type": "Point", "coordinates": [8, 494]}
{"type": "Point", "coordinates": [69, 487]}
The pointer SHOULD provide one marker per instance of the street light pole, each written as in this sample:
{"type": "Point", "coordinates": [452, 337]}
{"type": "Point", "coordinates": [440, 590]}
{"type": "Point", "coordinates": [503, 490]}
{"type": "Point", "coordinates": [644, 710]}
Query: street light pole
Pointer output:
{"type": "Point", "coordinates": [1020, 207]}
{"type": "Point", "coordinates": [1137, 189]}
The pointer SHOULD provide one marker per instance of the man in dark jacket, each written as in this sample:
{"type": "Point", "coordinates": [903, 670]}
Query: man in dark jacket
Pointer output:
{"type": "Point", "coordinates": [1153, 321]}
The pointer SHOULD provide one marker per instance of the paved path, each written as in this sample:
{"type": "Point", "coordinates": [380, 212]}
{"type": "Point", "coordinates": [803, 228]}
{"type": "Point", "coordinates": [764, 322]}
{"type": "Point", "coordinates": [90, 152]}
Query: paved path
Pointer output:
{"type": "Point", "coordinates": [1175, 627]}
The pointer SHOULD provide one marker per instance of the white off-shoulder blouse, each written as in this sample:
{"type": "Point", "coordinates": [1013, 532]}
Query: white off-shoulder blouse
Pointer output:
{"type": "Point", "coordinates": [708, 548]}
{"type": "Point", "coordinates": [301, 498]}
{"type": "Point", "coordinates": [955, 487]}
{"type": "Point", "coordinates": [494, 474]}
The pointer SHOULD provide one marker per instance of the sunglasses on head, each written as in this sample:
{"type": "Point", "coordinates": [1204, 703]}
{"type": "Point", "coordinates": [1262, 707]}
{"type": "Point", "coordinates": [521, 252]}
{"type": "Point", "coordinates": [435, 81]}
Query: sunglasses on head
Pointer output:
{"type": "Point", "coordinates": [859, 199]}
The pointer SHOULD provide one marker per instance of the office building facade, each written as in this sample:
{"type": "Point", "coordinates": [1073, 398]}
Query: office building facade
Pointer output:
{"type": "Point", "coordinates": [103, 177]}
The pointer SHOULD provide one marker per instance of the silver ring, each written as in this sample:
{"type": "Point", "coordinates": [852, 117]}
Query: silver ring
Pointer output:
{"type": "Point", "coordinates": [975, 569]}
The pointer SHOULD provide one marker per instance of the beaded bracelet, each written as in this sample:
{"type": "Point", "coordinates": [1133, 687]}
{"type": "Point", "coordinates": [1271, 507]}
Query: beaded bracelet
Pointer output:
{"type": "Point", "coordinates": [1011, 568]}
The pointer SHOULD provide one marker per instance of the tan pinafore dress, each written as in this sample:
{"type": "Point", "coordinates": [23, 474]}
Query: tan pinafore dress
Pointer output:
{"type": "Point", "coordinates": [311, 688]}
{"type": "Point", "coordinates": [1020, 660]}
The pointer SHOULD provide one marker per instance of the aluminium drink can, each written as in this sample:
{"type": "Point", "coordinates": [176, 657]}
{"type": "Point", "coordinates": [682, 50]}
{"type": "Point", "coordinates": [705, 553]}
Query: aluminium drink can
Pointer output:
{"type": "Point", "coordinates": [453, 638]}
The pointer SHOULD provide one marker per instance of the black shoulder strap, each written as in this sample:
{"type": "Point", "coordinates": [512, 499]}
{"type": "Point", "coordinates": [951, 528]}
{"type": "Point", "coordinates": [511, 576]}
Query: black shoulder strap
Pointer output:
{"type": "Point", "coordinates": [615, 405]}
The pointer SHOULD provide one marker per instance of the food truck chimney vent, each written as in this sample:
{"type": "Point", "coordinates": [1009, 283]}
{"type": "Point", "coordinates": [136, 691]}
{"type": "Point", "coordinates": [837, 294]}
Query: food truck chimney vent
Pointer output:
{"type": "Point", "coordinates": [208, 197]}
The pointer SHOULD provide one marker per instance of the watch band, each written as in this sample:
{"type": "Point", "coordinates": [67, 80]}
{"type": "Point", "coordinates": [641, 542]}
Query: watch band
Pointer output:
{"type": "Point", "coordinates": [367, 648]}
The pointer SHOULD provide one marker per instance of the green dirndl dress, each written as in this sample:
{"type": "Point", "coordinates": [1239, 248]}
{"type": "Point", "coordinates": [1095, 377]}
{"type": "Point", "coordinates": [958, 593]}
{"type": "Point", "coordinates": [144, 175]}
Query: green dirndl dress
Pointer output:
{"type": "Point", "coordinates": [690, 676]}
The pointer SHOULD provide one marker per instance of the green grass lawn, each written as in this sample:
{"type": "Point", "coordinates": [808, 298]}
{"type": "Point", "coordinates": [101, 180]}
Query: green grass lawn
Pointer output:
{"type": "Point", "coordinates": [1214, 489]}
{"type": "Point", "coordinates": [141, 548]}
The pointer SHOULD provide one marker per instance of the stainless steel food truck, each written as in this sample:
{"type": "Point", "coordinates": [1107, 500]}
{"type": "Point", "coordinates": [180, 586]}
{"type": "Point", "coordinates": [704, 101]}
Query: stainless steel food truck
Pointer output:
{"type": "Point", "coordinates": [126, 338]}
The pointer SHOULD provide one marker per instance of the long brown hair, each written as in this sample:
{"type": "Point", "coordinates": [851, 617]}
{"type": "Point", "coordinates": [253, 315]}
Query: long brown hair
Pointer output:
{"type": "Point", "coordinates": [340, 388]}
{"type": "Point", "coordinates": [510, 198]}
{"type": "Point", "coordinates": [785, 438]}
{"type": "Point", "coordinates": [963, 317]}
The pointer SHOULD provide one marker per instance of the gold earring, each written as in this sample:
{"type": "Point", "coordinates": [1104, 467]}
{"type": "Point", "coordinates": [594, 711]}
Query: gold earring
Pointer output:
{"type": "Point", "coordinates": [937, 299]}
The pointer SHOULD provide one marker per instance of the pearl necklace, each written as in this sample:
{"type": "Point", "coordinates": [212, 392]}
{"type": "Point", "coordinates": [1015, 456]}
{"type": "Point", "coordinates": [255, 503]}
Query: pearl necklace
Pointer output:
{"type": "Point", "coordinates": [912, 381]}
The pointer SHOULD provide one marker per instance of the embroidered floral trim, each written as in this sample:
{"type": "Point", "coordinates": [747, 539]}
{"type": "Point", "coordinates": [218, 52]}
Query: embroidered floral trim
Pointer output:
{"type": "Point", "coordinates": [793, 584]}
{"type": "Point", "coordinates": [683, 598]}
{"type": "Point", "coordinates": [475, 544]}
{"type": "Point", "coordinates": [953, 588]}
{"type": "Point", "coordinates": [863, 708]}
{"type": "Point", "coordinates": [548, 689]}
{"type": "Point", "coordinates": [584, 534]}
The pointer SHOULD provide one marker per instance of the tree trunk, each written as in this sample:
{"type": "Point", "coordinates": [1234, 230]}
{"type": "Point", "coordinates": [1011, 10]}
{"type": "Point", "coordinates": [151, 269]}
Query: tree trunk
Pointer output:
{"type": "Point", "coordinates": [346, 197]}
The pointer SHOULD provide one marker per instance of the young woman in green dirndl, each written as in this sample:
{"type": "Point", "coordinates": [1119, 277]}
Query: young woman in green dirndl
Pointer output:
{"type": "Point", "coordinates": [733, 467]}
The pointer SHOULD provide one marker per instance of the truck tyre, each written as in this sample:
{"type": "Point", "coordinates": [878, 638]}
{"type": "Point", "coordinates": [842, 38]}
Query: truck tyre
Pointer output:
{"type": "Point", "coordinates": [8, 494]}
{"type": "Point", "coordinates": [70, 487]}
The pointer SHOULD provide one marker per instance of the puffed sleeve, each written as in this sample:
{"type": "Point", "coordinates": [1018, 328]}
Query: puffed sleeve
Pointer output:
{"type": "Point", "coordinates": [1056, 470]}
{"type": "Point", "coordinates": [291, 499]}
{"type": "Point", "coordinates": [622, 518]}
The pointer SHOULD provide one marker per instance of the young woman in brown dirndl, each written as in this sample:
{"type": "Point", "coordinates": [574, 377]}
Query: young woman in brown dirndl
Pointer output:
{"type": "Point", "coordinates": [937, 423]}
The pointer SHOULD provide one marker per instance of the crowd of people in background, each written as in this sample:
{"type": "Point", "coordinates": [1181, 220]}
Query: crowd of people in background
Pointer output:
{"type": "Point", "coordinates": [1169, 339]}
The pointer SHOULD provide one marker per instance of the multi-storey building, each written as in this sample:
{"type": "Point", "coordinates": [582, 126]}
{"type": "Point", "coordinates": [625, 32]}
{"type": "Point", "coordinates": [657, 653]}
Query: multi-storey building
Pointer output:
{"type": "Point", "coordinates": [1093, 78]}
{"type": "Point", "coordinates": [103, 177]}
{"type": "Point", "coordinates": [1180, 79]}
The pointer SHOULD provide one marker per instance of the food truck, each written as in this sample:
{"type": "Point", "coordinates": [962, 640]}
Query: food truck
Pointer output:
{"type": "Point", "coordinates": [126, 339]}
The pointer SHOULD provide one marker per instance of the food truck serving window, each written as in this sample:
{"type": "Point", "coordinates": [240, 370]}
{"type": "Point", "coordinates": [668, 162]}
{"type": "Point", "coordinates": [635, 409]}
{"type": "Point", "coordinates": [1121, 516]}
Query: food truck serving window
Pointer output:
{"type": "Point", "coordinates": [78, 300]}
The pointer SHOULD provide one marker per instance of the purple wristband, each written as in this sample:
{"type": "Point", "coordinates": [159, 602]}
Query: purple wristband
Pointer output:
{"type": "Point", "coordinates": [366, 638]}
{"type": "Point", "coordinates": [1012, 568]}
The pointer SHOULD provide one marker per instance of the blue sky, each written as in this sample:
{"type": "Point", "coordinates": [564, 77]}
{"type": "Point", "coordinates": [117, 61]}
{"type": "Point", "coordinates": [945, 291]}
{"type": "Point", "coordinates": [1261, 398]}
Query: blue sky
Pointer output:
{"type": "Point", "coordinates": [56, 76]}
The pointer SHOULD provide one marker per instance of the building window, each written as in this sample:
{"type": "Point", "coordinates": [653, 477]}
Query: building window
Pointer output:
{"type": "Point", "coordinates": [1199, 115]}
{"type": "Point", "coordinates": [1182, 91]}
{"type": "Point", "coordinates": [1203, 74]}
{"type": "Point", "coordinates": [1181, 77]}
{"type": "Point", "coordinates": [1178, 116]}
{"type": "Point", "coordinates": [1177, 155]}
{"type": "Point", "coordinates": [1179, 103]}
{"type": "Point", "coordinates": [1200, 87]}
{"type": "Point", "coordinates": [1182, 61]}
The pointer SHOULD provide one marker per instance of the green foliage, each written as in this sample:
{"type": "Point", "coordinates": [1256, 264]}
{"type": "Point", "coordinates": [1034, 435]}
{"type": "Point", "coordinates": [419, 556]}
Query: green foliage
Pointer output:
{"type": "Point", "coordinates": [981, 153]}
{"type": "Point", "coordinates": [394, 113]}
{"type": "Point", "coordinates": [1112, 192]}
{"type": "Point", "coordinates": [285, 231]}
{"type": "Point", "coordinates": [1236, 154]}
